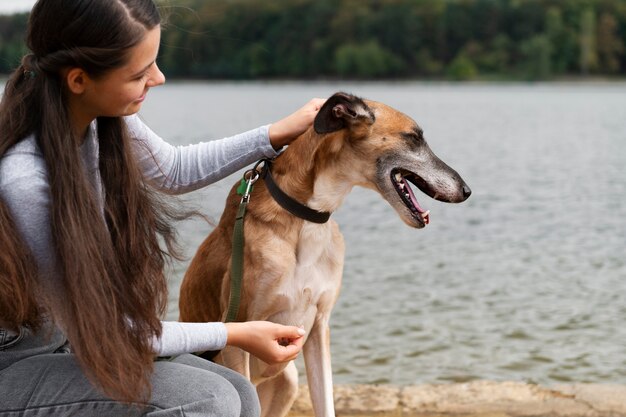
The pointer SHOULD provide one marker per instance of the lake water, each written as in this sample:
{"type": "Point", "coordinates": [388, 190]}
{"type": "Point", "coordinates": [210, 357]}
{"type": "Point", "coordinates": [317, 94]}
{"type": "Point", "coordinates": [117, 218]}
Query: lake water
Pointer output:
{"type": "Point", "coordinates": [524, 281]}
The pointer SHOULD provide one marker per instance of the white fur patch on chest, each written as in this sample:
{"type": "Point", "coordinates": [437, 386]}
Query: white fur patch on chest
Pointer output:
{"type": "Point", "coordinates": [314, 242]}
{"type": "Point", "coordinates": [317, 274]}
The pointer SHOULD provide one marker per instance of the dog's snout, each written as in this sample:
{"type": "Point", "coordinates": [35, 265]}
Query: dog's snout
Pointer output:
{"type": "Point", "coordinates": [466, 192]}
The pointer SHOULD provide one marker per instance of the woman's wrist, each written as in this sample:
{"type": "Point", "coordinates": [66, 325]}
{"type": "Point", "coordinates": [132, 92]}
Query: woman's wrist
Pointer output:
{"type": "Point", "coordinates": [277, 138]}
{"type": "Point", "coordinates": [234, 332]}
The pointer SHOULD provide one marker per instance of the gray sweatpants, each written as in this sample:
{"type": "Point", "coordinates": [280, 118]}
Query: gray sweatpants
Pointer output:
{"type": "Point", "coordinates": [186, 386]}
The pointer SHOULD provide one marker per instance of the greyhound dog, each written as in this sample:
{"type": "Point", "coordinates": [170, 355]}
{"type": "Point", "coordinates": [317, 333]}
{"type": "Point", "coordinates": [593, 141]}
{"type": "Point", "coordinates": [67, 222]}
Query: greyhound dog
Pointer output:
{"type": "Point", "coordinates": [293, 267]}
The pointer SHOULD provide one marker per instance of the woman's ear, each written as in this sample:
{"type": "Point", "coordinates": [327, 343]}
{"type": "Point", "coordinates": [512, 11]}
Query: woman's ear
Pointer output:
{"type": "Point", "coordinates": [76, 80]}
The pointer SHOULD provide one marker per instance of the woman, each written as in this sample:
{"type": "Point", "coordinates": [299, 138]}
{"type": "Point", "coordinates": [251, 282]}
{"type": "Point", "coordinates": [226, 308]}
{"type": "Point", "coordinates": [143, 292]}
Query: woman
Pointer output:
{"type": "Point", "coordinates": [81, 220]}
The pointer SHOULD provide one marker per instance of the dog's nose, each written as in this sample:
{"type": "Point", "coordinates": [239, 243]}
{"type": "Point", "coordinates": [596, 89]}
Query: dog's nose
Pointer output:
{"type": "Point", "coordinates": [466, 192]}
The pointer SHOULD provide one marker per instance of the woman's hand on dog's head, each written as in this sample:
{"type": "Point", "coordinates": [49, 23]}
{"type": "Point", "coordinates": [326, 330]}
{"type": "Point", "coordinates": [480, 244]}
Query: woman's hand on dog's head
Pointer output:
{"type": "Point", "coordinates": [286, 130]}
{"type": "Point", "coordinates": [270, 342]}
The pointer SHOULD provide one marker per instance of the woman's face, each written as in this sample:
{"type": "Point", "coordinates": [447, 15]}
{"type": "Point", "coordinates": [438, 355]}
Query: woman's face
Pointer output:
{"type": "Point", "coordinates": [122, 91]}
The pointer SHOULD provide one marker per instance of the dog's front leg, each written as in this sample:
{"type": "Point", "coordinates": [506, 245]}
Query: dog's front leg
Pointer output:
{"type": "Point", "coordinates": [318, 368]}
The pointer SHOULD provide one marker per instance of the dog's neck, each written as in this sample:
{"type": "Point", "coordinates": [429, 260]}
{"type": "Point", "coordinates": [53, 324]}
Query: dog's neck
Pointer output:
{"type": "Point", "coordinates": [310, 171]}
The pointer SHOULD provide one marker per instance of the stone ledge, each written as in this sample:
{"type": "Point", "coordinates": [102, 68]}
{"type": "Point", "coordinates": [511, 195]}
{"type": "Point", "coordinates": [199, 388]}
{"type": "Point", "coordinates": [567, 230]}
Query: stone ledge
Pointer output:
{"type": "Point", "coordinates": [473, 399]}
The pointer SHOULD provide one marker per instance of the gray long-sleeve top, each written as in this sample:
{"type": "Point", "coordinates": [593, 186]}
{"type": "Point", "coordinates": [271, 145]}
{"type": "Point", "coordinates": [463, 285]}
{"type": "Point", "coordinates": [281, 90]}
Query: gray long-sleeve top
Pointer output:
{"type": "Point", "coordinates": [174, 170]}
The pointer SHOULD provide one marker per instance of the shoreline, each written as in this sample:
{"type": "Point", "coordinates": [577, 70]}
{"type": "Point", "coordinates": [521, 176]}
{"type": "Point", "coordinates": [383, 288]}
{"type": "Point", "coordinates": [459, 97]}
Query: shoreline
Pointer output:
{"type": "Point", "coordinates": [472, 399]}
{"type": "Point", "coordinates": [565, 80]}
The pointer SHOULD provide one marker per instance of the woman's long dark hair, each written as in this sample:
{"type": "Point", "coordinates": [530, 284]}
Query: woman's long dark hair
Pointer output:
{"type": "Point", "coordinates": [111, 272]}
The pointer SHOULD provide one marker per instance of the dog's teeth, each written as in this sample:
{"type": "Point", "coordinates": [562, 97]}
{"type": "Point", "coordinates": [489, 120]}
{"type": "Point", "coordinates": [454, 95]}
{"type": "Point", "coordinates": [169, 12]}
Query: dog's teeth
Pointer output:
{"type": "Point", "coordinates": [398, 177]}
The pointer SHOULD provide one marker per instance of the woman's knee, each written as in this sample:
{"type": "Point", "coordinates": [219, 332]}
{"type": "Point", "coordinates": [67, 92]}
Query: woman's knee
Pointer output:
{"type": "Point", "coordinates": [250, 406]}
{"type": "Point", "coordinates": [224, 407]}
{"type": "Point", "coordinates": [249, 398]}
{"type": "Point", "coordinates": [201, 392]}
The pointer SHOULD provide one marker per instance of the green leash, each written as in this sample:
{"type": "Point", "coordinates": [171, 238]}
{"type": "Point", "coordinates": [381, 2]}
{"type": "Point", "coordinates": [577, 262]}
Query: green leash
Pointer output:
{"type": "Point", "coordinates": [236, 268]}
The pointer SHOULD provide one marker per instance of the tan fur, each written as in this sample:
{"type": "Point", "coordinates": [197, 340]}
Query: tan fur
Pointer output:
{"type": "Point", "coordinates": [293, 268]}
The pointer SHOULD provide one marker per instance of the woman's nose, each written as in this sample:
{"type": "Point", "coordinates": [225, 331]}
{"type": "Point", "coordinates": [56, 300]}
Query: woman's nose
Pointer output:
{"type": "Point", "coordinates": [156, 77]}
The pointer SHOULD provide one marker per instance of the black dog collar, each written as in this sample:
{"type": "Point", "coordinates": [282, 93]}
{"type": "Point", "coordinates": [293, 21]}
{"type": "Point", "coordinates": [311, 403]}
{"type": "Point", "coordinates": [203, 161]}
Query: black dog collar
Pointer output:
{"type": "Point", "coordinates": [292, 206]}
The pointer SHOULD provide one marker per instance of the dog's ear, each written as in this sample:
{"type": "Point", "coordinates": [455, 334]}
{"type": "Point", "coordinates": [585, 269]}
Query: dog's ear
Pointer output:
{"type": "Point", "coordinates": [340, 111]}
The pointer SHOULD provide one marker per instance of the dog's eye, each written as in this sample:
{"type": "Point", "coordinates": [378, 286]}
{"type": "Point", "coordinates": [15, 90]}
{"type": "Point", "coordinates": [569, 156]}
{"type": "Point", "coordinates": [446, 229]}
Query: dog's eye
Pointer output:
{"type": "Point", "coordinates": [416, 136]}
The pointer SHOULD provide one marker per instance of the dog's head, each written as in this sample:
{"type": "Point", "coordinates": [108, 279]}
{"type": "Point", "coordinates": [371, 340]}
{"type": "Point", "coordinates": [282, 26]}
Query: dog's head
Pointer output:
{"type": "Point", "coordinates": [395, 153]}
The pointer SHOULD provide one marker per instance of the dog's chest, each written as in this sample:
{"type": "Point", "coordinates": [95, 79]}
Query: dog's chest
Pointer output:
{"type": "Point", "coordinates": [302, 279]}
{"type": "Point", "coordinates": [319, 263]}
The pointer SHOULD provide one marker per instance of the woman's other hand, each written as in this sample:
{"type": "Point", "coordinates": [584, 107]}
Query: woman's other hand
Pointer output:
{"type": "Point", "coordinates": [285, 130]}
{"type": "Point", "coordinates": [270, 342]}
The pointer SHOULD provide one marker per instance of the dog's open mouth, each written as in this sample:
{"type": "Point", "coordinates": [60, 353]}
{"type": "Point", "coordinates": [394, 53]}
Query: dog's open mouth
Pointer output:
{"type": "Point", "coordinates": [400, 179]}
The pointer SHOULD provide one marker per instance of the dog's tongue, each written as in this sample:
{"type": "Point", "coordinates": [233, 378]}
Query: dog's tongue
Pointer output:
{"type": "Point", "coordinates": [424, 213]}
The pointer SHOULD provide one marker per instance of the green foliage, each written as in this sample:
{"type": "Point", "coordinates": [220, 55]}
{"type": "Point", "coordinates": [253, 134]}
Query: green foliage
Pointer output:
{"type": "Point", "coordinates": [425, 64]}
{"type": "Point", "coordinates": [365, 39]}
{"type": "Point", "coordinates": [536, 52]}
{"type": "Point", "coordinates": [462, 69]}
{"type": "Point", "coordinates": [368, 60]}
{"type": "Point", "coordinates": [588, 47]}
{"type": "Point", "coordinates": [12, 47]}
{"type": "Point", "coordinates": [610, 45]}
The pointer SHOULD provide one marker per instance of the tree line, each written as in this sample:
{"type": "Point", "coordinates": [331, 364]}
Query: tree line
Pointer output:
{"type": "Point", "coordinates": [372, 39]}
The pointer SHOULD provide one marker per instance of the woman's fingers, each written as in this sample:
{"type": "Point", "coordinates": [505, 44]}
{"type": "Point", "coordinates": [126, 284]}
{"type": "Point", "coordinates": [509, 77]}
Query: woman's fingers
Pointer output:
{"type": "Point", "coordinates": [290, 340]}
{"type": "Point", "coordinates": [292, 346]}
{"type": "Point", "coordinates": [289, 332]}
{"type": "Point", "coordinates": [270, 342]}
